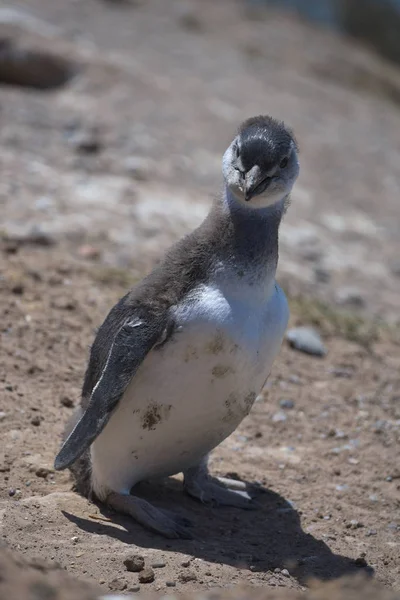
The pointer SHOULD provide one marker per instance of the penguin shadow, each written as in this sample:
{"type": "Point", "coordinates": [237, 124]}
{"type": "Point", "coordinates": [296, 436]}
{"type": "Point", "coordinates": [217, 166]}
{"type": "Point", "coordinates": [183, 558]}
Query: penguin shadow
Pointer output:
{"type": "Point", "coordinates": [262, 540]}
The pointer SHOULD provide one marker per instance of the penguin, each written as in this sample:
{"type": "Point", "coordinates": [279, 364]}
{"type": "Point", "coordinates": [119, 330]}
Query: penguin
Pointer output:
{"type": "Point", "coordinates": [179, 360]}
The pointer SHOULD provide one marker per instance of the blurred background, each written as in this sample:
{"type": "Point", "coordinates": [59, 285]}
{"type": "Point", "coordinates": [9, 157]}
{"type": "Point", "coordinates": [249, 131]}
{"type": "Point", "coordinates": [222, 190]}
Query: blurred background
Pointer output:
{"type": "Point", "coordinates": [115, 115]}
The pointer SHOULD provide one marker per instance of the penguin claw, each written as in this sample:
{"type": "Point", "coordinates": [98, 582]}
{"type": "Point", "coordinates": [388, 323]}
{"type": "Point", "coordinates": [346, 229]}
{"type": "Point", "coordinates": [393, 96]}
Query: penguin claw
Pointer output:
{"type": "Point", "coordinates": [212, 493]}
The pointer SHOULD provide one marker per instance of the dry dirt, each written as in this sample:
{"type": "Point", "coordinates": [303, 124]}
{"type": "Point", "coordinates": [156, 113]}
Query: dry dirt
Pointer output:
{"type": "Point", "coordinates": [98, 177]}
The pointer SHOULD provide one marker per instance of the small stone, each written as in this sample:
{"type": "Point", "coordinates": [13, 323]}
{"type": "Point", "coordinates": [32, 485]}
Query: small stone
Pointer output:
{"type": "Point", "coordinates": [42, 472]}
{"type": "Point", "coordinates": [187, 576]}
{"type": "Point", "coordinates": [86, 141]}
{"type": "Point", "coordinates": [285, 573]}
{"type": "Point", "coordinates": [322, 275]}
{"type": "Point", "coordinates": [36, 420]}
{"type": "Point", "coordinates": [12, 492]}
{"type": "Point", "coordinates": [67, 402]}
{"type": "Point", "coordinates": [138, 167]}
{"type": "Point", "coordinates": [170, 583]}
{"type": "Point", "coordinates": [88, 251]}
{"type": "Point", "coordinates": [134, 563]}
{"type": "Point", "coordinates": [307, 340]}
{"type": "Point", "coordinates": [158, 564]}
{"type": "Point", "coordinates": [361, 562]}
{"type": "Point", "coordinates": [2, 415]}
{"type": "Point", "coordinates": [371, 532]}
{"type": "Point", "coordinates": [17, 289]}
{"type": "Point", "coordinates": [286, 403]}
{"type": "Point", "coordinates": [30, 235]}
{"type": "Point", "coordinates": [356, 524]}
{"type": "Point", "coordinates": [185, 563]}
{"type": "Point", "coordinates": [350, 296]}
{"type": "Point", "coordinates": [279, 417]}
{"type": "Point", "coordinates": [135, 588]}
{"type": "Point", "coordinates": [277, 570]}
{"type": "Point", "coordinates": [147, 575]}
{"type": "Point", "coordinates": [63, 303]}
{"type": "Point", "coordinates": [117, 585]}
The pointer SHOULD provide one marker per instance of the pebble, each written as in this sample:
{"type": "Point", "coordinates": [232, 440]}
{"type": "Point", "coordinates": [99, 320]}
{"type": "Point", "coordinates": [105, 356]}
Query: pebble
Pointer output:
{"type": "Point", "coordinates": [12, 492]}
{"type": "Point", "coordinates": [350, 296]}
{"type": "Point", "coordinates": [370, 532]}
{"type": "Point", "coordinates": [42, 472]}
{"type": "Point", "coordinates": [147, 575]}
{"type": "Point", "coordinates": [322, 275]}
{"type": "Point", "coordinates": [158, 564]}
{"type": "Point", "coordinates": [138, 167]}
{"type": "Point", "coordinates": [285, 573]}
{"type": "Point", "coordinates": [307, 340]}
{"type": "Point", "coordinates": [187, 576]}
{"type": "Point", "coordinates": [36, 420]}
{"type": "Point", "coordinates": [88, 251]}
{"type": "Point", "coordinates": [67, 402]}
{"type": "Point", "coordinates": [286, 403]}
{"type": "Point", "coordinates": [117, 585]}
{"type": "Point", "coordinates": [354, 524]}
{"type": "Point", "coordinates": [279, 417]}
{"type": "Point", "coordinates": [86, 141]}
{"type": "Point", "coordinates": [135, 588]}
{"type": "Point", "coordinates": [63, 303]}
{"type": "Point", "coordinates": [18, 289]}
{"type": "Point", "coordinates": [134, 563]}
{"type": "Point", "coordinates": [185, 563]}
{"type": "Point", "coordinates": [170, 583]}
{"type": "Point", "coordinates": [30, 235]}
{"type": "Point", "coordinates": [2, 415]}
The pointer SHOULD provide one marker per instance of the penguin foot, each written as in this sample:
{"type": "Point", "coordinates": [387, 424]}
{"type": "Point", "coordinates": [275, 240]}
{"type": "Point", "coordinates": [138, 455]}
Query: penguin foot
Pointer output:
{"type": "Point", "coordinates": [162, 522]}
{"type": "Point", "coordinates": [204, 488]}
{"type": "Point", "coordinates": [232, 484]}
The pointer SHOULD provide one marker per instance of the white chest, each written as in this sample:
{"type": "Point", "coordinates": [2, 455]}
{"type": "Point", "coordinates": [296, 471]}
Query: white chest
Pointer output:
{"type": "Point", "coordinates": [193, 392]}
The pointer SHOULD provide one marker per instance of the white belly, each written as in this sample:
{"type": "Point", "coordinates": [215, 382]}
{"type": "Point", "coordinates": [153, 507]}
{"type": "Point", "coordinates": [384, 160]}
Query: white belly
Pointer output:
{"type": "Point", "coordinates": [193, 392]}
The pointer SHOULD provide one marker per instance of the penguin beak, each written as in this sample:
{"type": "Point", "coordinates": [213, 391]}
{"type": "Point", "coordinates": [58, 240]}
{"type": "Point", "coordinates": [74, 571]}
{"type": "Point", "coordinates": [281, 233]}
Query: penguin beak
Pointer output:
{"type": "Point", "coordinates": [255, 186]}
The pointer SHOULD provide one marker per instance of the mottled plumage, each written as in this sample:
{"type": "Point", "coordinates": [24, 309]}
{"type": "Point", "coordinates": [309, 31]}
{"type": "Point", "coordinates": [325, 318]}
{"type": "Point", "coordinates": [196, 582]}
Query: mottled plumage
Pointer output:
{"type": "Point", "coordinates": [179, 360]}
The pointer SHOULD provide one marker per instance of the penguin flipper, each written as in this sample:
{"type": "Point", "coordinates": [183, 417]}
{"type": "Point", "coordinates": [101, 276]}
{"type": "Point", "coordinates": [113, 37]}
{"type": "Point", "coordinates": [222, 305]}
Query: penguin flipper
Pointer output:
{"type": "Point", "coordinates": [133, 341]}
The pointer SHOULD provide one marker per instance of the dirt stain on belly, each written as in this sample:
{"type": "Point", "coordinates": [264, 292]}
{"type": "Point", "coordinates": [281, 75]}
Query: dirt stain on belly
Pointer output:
{"type": "Point", "coordinates": [155, 414]}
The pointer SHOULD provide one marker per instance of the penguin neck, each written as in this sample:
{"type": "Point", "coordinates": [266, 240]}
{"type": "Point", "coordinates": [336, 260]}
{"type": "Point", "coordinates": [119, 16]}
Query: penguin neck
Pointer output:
{"type": "Point", "coordinates": [246, 238]}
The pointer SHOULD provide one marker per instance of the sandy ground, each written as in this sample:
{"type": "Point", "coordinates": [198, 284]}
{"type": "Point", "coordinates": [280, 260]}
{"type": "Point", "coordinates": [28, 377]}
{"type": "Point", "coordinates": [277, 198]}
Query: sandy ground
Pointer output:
{"type": "Point", "coordinates": [98, 177]}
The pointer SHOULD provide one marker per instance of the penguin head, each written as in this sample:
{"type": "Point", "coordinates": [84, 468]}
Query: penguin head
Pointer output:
{"type": "Point", "coordinates": [261, 164]}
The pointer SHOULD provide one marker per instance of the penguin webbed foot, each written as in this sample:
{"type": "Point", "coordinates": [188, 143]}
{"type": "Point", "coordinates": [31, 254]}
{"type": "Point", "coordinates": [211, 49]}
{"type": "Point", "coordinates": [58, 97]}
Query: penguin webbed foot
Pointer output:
{"type": "Point", "coordinates": [217, 491]}
{"type": "Point", "coordinates": [163, 522]}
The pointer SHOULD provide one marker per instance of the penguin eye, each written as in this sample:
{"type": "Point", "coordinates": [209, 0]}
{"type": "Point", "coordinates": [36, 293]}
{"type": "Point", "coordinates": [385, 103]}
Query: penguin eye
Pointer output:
{"type": "Point", "coordinates": [284, 162]}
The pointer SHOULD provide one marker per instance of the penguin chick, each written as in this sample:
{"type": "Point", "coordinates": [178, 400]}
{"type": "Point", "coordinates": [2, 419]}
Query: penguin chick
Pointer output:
{"type": "Point", "coordinates": [179, 361]}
